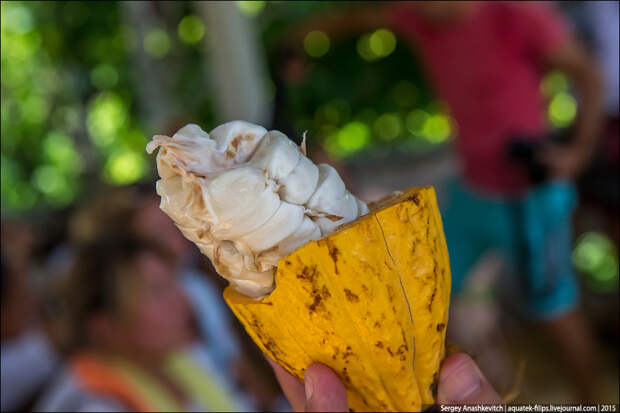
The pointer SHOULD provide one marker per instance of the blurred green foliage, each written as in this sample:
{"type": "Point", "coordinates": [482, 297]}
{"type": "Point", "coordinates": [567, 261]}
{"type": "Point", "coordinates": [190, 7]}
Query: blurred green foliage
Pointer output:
{"type": "Point", "coordinates": [361, 92]}
{"type": "Point", "coordinates": [71, 113]}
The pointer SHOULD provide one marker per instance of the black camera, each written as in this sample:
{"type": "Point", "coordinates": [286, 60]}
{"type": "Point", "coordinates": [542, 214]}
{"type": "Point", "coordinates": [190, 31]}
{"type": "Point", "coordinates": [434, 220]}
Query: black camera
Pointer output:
{"type": "Point", "coordinates": [525, 151]}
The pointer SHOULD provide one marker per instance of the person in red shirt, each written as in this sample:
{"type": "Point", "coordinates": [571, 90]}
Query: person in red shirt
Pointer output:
{"type": "Point", "coordinates": [486, 61]}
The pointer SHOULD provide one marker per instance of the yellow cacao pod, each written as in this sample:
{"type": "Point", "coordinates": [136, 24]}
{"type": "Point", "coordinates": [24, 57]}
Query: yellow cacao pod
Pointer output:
{"type": "Point", "coordinates": [370, 301]}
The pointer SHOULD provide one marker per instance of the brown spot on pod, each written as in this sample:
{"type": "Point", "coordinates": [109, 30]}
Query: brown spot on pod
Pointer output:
{"type": "Point", "coordinates": [316, 303]}
{"type": "Point", "coordinates": [402, 351]}
{"type": "Point", "coordinates": [271, 346]}
{"type": "Point", "coordinates": [345, 376]}
{"type": "Point", "coordinates": [350, 296]}
{"type": "Point", "coordinates": [347, 353]}
{"type": "Point", "coordinates": [325, 292]}
{"type": "Point", "coordinates": [308, 273]}
{"type": "Point", "coordinates": [415, 198]}
{"type": "Point", "coordinates": [430, 303]}
{"type": "Point", "coordinates": [433, 386]}
{"type": "Point", "coordinates": [333, 253]}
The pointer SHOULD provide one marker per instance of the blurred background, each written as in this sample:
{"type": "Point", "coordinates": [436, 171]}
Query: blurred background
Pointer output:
{"type": "Point", "coordinates": [86, 85]}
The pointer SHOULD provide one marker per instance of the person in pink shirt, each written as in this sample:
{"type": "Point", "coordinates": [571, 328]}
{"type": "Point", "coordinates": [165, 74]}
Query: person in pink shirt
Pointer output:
{"type": "Point", "coordinates": [515, 193]}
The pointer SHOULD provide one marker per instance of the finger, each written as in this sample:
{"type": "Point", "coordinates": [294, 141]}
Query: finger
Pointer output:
{"type": "Point", "coordinates": [462, 382]}
{"type": "Point", "coordinates": [324, 390]}
{"type": "Point", "coordinates": [293, 389]}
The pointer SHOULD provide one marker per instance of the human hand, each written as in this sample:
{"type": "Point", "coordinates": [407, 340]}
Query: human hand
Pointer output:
{"type": "Point", "coordinates": [565, 162]}
{"type": "Point", "coordinates": [460, 382]}
{"type": "Point", "coordinates": [322, 390]}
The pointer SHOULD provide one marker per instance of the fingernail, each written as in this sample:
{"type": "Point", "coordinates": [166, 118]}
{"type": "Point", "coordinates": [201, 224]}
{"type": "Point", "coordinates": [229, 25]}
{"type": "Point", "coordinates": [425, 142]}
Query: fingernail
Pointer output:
{"type": "Point", "coordinates": [309, 387]}
{"type": "Point", "coordinates": [462, 383]}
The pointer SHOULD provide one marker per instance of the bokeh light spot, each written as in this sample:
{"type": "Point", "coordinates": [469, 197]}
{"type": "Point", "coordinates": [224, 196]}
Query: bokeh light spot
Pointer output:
{"type": "Point", "coordinates": [363, 48]}
{"type": "Point", "coordinates": [191, 29]}
{"type": "Point", "coordinates": [353, 136]}
{"type": "Point", "coordinates": [104, 76]}
{"type": "Point", "coordinates": [415, 121]}
{"type": "Point", "coordinates": [53, 184]}
{"type": "Point", "coordinates": [35, 109]}
{"type": "Point", "coordinates": [316, 43]}
{"type": "Point", "coordinates": [562, 110]}
{"type": "Point", "coordinates": [554, 82]}
{"type": "Point", "coordinates": [376, 45]}
{"type": "Point", "coordinates": [106, 116]}
{"type": "Point", "coordinates": [124, 167]}
{"type": "Point", "coordinates": [350, 139]}
{"type": "Point", "coordinates": [388, 126]}
{"type": "Point", "coordinates": [436, 128]}
{"type": "Point", "coordinates": [60, 151]}
{"type": "Point", "coordinates": [595, 256]}
{"type": "Point", "coordinates": [251, 8]}
{"type": "Point", "coordinates": [382, 42]}
{"type": "Point", "coordinates": [157, 43]}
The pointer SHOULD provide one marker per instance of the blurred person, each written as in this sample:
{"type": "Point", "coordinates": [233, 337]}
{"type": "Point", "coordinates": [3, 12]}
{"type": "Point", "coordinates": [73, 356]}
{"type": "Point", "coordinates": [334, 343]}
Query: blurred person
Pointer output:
{"type": "Point", "coordinates": [253, 373]}
{"type": "Point", "coordinates": [204, 289]}
{"type": "Point", "coordinates": [19, 305]}
{"type": "Point", "coordinates": [27, 356]}
{"type": "Point", "coordinates": [130, 327]}
{"type": "Point", "coordinates": [135, 210]}
{"type": "Point", "coordinates": [515, 193]}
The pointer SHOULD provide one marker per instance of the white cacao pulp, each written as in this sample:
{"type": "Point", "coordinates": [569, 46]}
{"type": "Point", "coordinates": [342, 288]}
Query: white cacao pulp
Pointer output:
{"type": "Point", "coordinates": [248, 197]}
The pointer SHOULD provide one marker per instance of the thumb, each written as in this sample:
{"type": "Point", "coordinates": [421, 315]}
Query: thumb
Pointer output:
{"type": "Point", "coordinates": [462, 382]}
{"type": "Point", "coordinates": [324, 390]}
